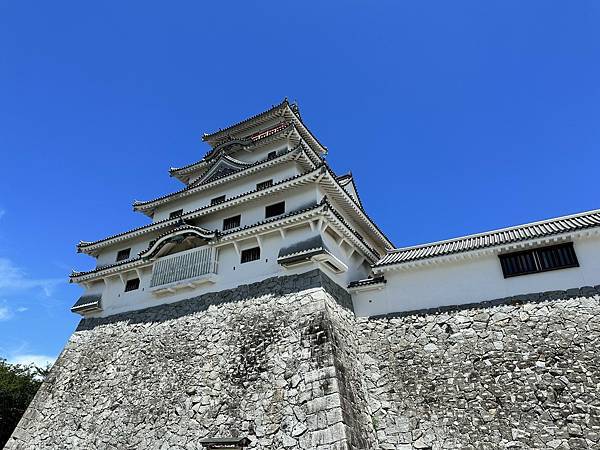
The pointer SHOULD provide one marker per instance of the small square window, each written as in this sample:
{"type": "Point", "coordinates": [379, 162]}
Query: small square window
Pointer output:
{"type": "Point", "coordinates": [132, 284]}
{"type": "Point", "coordinates": [275, 210]}
{"type": "Point", "coordinates": [177, 213]}
{"type": "Point", "coordinates": [122, 255]}
{"type": "Point", "coordinates": [251, 254]}
{"type": "Point", "coordinates": [217, 200]}
{"type": "Point", "coordinates": [264, 184]}
{"type": "Point", "coordinates": [231, 222]}
{"type": "Point", "coordinates": [272, 154]}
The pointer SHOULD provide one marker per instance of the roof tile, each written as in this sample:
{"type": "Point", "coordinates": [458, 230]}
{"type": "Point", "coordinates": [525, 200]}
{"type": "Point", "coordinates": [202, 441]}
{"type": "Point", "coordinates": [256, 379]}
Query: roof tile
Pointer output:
{"type": "Point", "coordinates": [576, 222]}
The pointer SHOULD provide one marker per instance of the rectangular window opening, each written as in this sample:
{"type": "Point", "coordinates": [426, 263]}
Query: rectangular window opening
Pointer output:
{"type": "Point", "coordinates": [132, 285]}
{"type": "Point", "coordinates": [275, 210]}
{"type": "Point", "coordinates": [272, 154]}
{"type": "Point", "coordinates": [264, 184]}
{"type": "Point", "coordinates": [332, 266]}
{"type": "Point", "coordinates": [122, 255]}
{"type": "Point", "coordinates": [537, 260]}
{"type": "Point", "coordinates": [177, 213]}
{"type": "Point", "coordinates": [217, 200]}
{"type": "Point", "coordinates": [251, 254]}
{"type": "Point", "coordinates": [231, 222]}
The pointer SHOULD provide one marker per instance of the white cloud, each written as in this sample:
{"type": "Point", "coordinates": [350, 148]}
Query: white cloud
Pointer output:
{"type": "Point", "coordinates": [13, 278]}
{"type": "Point", "coordinates": [5, 313]}
{"type": "Point", "coordinates": [36, 360]}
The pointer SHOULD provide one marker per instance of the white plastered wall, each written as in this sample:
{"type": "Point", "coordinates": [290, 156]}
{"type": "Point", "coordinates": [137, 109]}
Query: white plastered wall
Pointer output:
{"type": "Point", "coordinates": [231, 273]}
{"type": "Point", "coordinates": [251, 212]}
{"type": "Point", "coordinates": [277, 173]}
{"type": "Point", "coordinates": [471, 281]}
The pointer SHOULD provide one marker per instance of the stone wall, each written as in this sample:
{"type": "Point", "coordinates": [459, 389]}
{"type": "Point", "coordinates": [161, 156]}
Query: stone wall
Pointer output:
{"type": "Point", "coordinates": [261, 361]}
{"type": "Point", "coordinates": [522, 372]}
{"type": "Point", "coordinates": [285, 363]}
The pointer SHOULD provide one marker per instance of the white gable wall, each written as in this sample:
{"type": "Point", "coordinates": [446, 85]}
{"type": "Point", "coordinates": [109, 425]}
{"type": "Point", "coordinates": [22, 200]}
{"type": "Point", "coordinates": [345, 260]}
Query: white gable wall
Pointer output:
{"type": "Point", "coordinates": [259, 153]}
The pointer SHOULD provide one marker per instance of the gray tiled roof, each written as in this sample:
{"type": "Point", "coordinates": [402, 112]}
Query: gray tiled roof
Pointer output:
{"type": "Point", "coordinates": [302, 250]}
{"type": "Point", "coordinates": [87, 302]}
{"type": "Point", "coordinates": [367, 282]}
{"type": "Point", "coordinates": [194, 185]}
{"type": "Point", "coordinates": [230, 128]}
{"type": "Point", "coordinates": [535, 230]}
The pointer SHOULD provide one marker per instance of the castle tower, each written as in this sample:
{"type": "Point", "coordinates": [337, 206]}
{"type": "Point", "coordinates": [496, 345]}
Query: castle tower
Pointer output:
{"type": "Point", "coordinates": [262, 203]}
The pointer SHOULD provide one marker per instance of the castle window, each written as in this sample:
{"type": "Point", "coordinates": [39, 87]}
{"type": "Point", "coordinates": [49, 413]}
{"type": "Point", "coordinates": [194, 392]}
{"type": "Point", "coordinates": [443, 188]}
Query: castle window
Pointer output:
{"type": "Point", "coordinates": [122, 255]}
{"type": "Point", "coordinates": [177, 213]}
{"type": "Point", "coordinates": [251, 254]}
{"type": "Point", "coordinates": [272, 154]}
{"type": "Point", "coordinates": [333, 267]}
{"type": "Point", "coordinates": [539, 260]}
{"type": "Point", "coordinates": [132, 284]}
{"type": "Point", "coordinates": [274, 210]}
{"type": "Point", "coordinates": [231, 222]}
{"type": "Point", "coordinates": [217, 200]}
{"type": "Point", "coordinates": [264, 184]}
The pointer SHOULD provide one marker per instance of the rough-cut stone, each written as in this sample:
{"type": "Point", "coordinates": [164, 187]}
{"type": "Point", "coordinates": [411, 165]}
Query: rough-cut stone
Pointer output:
{"type": "Point", "coordinates": [270, 361]}
{"type": "Point", "coordinates": [285, 363]}
{"type": "Point", "coordinates": [527, 378]}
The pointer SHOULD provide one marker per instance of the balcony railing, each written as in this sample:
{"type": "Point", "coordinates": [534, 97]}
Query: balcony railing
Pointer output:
{"type": "Point", "coordinates": [185, 269]}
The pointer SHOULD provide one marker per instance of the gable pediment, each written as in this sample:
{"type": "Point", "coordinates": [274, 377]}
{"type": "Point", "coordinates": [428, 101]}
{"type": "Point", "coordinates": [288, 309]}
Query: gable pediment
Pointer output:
{"type": "Point", "coordinates": [222, 167]}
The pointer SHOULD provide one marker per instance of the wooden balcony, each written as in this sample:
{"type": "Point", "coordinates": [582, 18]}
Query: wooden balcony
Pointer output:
{"type": "Point", "coordinates": [184, 270]}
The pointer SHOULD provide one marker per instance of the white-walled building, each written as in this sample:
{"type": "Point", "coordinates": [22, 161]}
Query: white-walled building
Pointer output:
{"type": "Point", "coordinates": [261, 203]}
{"type": "Point", "coordinates": [264, 203]}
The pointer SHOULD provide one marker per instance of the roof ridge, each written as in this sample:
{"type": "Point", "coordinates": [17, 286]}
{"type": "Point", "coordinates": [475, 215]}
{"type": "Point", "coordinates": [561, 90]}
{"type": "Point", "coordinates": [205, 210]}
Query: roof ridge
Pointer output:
{"type": "Point", "coordinates": [209, 155]}
{"type": "Point", "coordinates": [250, 140]}
{"type": "Point", "coordinates": [499, 230]}
{"type": "Point", "coordinates": [358, 205]}
{"type": "Point", "coordinates": [207, 136]}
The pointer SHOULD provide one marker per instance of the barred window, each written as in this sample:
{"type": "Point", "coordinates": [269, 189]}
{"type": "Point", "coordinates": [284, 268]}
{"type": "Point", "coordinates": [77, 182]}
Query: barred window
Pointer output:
{"type": "Point", "coordinates": [539, 260]}
{"type": "Point", "coordinates": [251, 254]}
{"type": "Point", "coordinates": [231, 222]}
{"type": "Point", "coordinates": [132, 284]}
{"type": "Point", "coordinates": [122, 255]}
{"type": "Point", "coordinates": [264, 185]}
{"type": "Point", "coordinates": [177, 213]}
{"type": "Point", "coordinates": [275, 210]}
{"type": "Point", "coordinates": [217, 200]}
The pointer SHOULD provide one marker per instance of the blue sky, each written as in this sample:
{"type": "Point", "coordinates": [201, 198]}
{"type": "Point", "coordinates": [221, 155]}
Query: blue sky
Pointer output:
{"type": "Point", "coordinates": [455, 117]}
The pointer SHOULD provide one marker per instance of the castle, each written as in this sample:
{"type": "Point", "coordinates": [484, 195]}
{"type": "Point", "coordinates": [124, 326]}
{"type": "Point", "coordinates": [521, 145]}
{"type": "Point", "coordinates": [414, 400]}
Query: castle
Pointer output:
{"type": "Point", "coordinates": [261, 307]}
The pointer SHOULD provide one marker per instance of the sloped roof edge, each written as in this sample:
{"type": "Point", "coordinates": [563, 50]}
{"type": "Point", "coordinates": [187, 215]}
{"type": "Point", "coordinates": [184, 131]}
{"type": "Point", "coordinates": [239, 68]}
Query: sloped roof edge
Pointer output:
{"type": "Point", "coordinates": [493, 238]}
{"type": "Point", "coordinates": [207, 137]}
